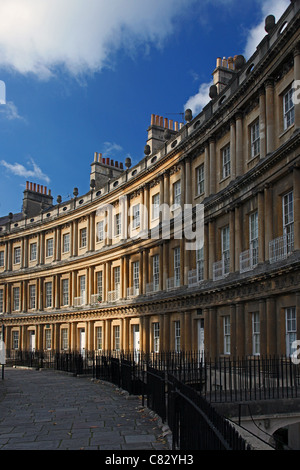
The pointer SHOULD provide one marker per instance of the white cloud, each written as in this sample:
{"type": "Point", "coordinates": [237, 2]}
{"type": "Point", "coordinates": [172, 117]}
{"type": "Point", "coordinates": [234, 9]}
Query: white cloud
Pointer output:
{"type": "Point", "coordinates": [18, 169]}
{"type": "Point", "coordinates": [10, 111]}
{"type": "Point", "coordinates": [198, 101]}
{"type": "Point", "coordinates": [254, 36]}
{"type": "Point", "coordinates": [79, 35]}
{"type": "Point", "coordinates": [257, 33]}
{"type": "Point", "coordinates": [111, 149]}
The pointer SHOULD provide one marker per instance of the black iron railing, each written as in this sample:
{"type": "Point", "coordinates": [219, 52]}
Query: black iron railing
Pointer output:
{"type": "Point", "coordinates": [180, 387]}
{"type": "Point", "coordinates": [195, 424]}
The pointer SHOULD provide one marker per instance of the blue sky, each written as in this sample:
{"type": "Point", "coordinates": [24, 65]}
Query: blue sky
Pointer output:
{"type": "Point", "coordinates": [84, 76]}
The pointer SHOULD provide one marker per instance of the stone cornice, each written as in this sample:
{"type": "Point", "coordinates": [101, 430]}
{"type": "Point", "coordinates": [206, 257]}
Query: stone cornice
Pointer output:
{"type": "Point", "coordinates": [264, 282]}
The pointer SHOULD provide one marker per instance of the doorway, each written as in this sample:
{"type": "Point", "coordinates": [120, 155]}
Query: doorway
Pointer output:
{"type": "Point", "coordinates": [200, 334]}
{"type": "Point", "coordinates": [82, 341]}
{"type": "Point", "coordinates": [32, 341]}
{"type": "Point", "coordinates": [136, 342]}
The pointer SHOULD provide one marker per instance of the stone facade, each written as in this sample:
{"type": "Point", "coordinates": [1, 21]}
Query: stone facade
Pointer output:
{"type": "Point", "coordinates": [65, 286]}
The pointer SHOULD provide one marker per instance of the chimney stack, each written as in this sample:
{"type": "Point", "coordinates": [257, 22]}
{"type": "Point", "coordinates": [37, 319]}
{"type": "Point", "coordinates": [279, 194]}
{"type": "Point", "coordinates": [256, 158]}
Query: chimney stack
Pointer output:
{"type": "Point", "coordinates": [224, 71]}
{"type": "Point", "coordinates": [36, 199]}
{"type": "Point", "coordinates": [103, 169]}
{"type": "Point", "coordinates": [157, 128]}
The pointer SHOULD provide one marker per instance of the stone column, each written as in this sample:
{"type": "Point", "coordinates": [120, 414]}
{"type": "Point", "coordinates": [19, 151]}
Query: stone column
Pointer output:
{"type": "Point", "coordinates": [262, 122]}
{"type": "Point", "coordinates": [75, 238]}
{"type": "Point", "coordinates": [57, 291]}
{"type": "Point", "coordinates": [213, 330]}
{"type": "Point", "coordinates": [297, 85]}
{"type": "Point", "coordinates": [187, 331]}
{"type": "Point", "coordinates": [125, 336]}
{"type": "Point", "coordinates": [206, 333]}
{"type": "Point", "coordinates": [298, 313]}
{"type": "Point", "coordinates": [145, 334]}
{"type": "Point", "coordinates": [269, 85]}
{"type": "Point", "coordinates": [212, 159]}
{"type": "Point", "coordinates": [212, 246]}
{"type": "Point", "coordinates": [56, 338]}
{"type": "Point", "coordinates": [92, 283]}
{"type": "Point", "coordinates": [74, 287]}
{"type": "Point", "coordinates": [263, 326]}
{"type": "Point", "coordinates": [234, 331]}
{"type": "Point", "coordinates": [238, 236]}
{"type": "Point", "coordinates": [73, 336]}
{"type": "Point", "coordinates": [40, 292]}
{"type": "Point", "coordinates": [162, 286]}
{"type": "Point", "coordinates": [25, 254]}
{"type": "Point", "coordinates": [261, 227]}
{"type": "Point", "coordinates": [268, 213]}
{"type": "Point", "coordinates": [92, 232]}
{"type": "Point", "coordinates": [161, 198]}
{"type": "Point", "coordinates": [145, 269]}
{"type": "Point", "coordinates": [42, 248]}
{"type": "Point", "coordinates": [58, 244]}
{"type": "Point", "coordinates": [271, 326]}
{"type": "Point", "coordinates": [182, 262]}
{"type": "Point", "coordinates": [182, 331]}
{"type": "Point", "coordinates": [239, 144]}
{"type": "Point", "coordinates": [234, 251]}
{"type": "Point", "coordinates": [107, 278]}
{"type": "Point", "coordinates": [145, 214]}
{"type": "Point", "coordinates": [206, 251]}
{"type": "Point", "coordinates": [188, 182]}
{"type": "Point", "coordinates": [125, 275]}
{"type": "Point", "coordinates": [24, 294]}
{"type": "Point", "coordinates": [240, 330]}
{"type": "Point", "coordinates": [165, 331]}
{"type": "Point", "coordinates": [182, 179]}
{"type": "Point", "coordinates": [296, 193]}
{"type": "Point", "coordinates": [233, 148]}
{"type": "Point", "coordinates": [141, 273]}
{"type": "Point", "coordinates": [125, 217]}
{"type": "Point", "coordinates": [166, 262]}
{"type": "Point", "coordinates": [206, 169]}
{"type": "Point", "coordinates": [108, 335]}
{"type": "Point", "coordinates": [8, 256]}
{"type": "Point", "coordinates": [167, 187]}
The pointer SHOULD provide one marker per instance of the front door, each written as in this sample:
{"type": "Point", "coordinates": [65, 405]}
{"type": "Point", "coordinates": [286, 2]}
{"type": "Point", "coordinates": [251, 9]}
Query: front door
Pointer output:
{"type": "Point", "coordinates": [201, 338]}
{"type": "Point", "coordinates": [32, 340]}
{"type": "Point", "coordinates": [136, 342]}
{"type": "Point", "coordinates": [82, 341]}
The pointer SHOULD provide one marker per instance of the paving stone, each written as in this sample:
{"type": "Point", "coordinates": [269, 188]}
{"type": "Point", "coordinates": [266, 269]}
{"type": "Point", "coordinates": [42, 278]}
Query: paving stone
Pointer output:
{"type": "Point", "coordinates": [46, 410]}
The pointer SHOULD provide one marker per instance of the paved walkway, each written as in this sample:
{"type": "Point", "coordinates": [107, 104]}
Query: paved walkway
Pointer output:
{"type": "Point", "coordinates": [48, 410]}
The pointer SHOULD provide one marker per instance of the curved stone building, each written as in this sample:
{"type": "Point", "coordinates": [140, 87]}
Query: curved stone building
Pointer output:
{"type": "Point", "coordinates": [196, 248]}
